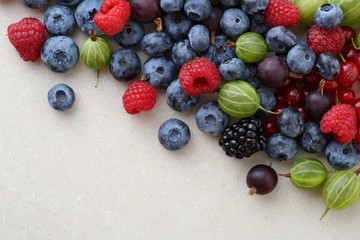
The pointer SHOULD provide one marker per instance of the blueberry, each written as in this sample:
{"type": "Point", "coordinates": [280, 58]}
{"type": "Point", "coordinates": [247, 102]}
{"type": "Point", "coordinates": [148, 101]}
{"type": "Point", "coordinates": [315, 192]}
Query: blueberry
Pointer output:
{"type": "Point", "coordinates": [211, 119]}
{"type": "Point", "coordinates": [291, 122]}
{"type": "Point", "coordinates": [84, 15]}
{"type": "Point", "coordinates": [249, 75]}
{"type": "Point", "coordinates": [69, 2]}
{"type": "Point", "coordinates": [254, 6]}
{"type": "Point", "coordinates": [178, 99]}
{"type": "Point", "coordinates": [160, 71]}
{"type": "Point", "coordinates": [301, 59]}
{"type": "Point", "coordinates": [199, 38]}
{"type": "Point", "coordinates": [328, 66]}
{"type": "Point", "coordinates": [35, 3]}
{"type": "Point", "coordinates": [197, 10]}
{"type": "Point", "coordinates": [217, 53]}
{"type": "Point", "coordinates": [280, 39]}
{"type": "Point", "coordinates": [230, 3]}
{"type": "Point", "coordinates": [171, 5]}
{"type": "Point", "coordinates": [156, 44]}
{"type": "Point", "coordinates": [59, 20]}
{"type": "Point", "coordinates": [342, 156]}
{"type": "Point", "coordinates": [182, 52]}
{"type": "Point", "coordinates": [60, 54]}
{"type": "Point", "coordinates": [124, 64]}
{"type": "Point", "coordinates": [313, 140]}
{"type": "Point", "coordinates": [328, 16]}
{"type": "Point", "coordinates": [258, 24]}
{"type": "Point", "coordinates": [232, 69]}
{"type": "Point", "coordinates": [267, 101]}
{"type": "Point", "coordinates": [131, 35]}
{"type": "Point", "coordinates": [61, 97]}
{"type": "Point", "coordinates": [281, 147]}
{"type": "Point", "coordinates": [234, 22]}
{"type": "Point", "coordinates": [174, 134]}
{"type": "Point", "coordinates": [176, 24]}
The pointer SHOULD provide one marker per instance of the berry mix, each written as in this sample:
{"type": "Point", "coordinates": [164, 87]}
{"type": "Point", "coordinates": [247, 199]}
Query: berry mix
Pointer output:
{"type": "Point", "coordinates": [275, 92]}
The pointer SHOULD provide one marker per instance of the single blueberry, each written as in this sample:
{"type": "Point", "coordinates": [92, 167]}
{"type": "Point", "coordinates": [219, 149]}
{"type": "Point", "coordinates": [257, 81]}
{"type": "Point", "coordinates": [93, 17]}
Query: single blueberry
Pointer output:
{"type": "Point", "coordinates": [35, 3]}
{"type": "Point", "coordinates": [258, 24]}
{"type": "Point", "coordinates": [178, 99]}
{"type": "Point", "coordinates": [197, 10]}
{"type": "Point", "coordinates": [267, 101]}
{"type": "Point", "coordinates": [156, 44]}
{"type": "Point", "coordinates": [280, 39]}
{"type": "Point", "coordinates": [252, 7]}
{"type": "Point", "coordinates": [84, 16]}
{"type": "Point", "coordinates": [232, 69]}
{"type": "Point", "coordinates": [131, 35]}
{"type": "Point", "coordinates": [174, 134]}
{"type": "Point", "coordinates": [182, 53]}
{"type": "Point", "coordinates": [218, 52]}
{"type": "Point", "coordinates": [61, 97]}
{"type": "Point", "coordinates": [176, 24]}
{"type": "Point", "coordinates": [211, 119]}
{"type": "Point", "coordinates": [171, 5]}
{"type": "Point", "coordinates": [301, 59]}
{"type": "Point", "coordinates": [328, 66]}
{"type": "Point", "coordinates": [60, 54]}
{"type": "Point", "coordinates": [199, 38]}
{"type": "Point", "coordinates": [234, 22]}
{"type": "Point", "coordinates": [313, 140]}
{"type": "Point", "coordinates": [291, 122]}
{"type": "Point", "coordinates": [160, 72]}
{"type": "Point", "coordinates": [59, 20]}
{"type": "Point", "coordinates": [342, 156]}
{"type": "Point", "coordinates": [328, 16]}
{"type": "Point", "coordinates": [281, 147]}
{"type": "Point", "coordinates": [124, 64]}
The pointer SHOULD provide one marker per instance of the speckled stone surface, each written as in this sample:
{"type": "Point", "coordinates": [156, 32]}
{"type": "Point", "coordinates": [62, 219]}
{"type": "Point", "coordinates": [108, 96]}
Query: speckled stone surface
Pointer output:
{"type": "Point", "coordinates": [95, 172]}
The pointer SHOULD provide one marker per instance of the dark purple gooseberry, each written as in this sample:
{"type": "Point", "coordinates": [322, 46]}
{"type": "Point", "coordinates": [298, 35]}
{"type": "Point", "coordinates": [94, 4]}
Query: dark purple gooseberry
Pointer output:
{"type": "Point", "coordinates": [145, 11]}
{"type": "Point", "coordinates": [213, 22]}
{"type": "Point", "coordinates": [272, 72]}
{"type": "Point", "coordinates": [261, 179]}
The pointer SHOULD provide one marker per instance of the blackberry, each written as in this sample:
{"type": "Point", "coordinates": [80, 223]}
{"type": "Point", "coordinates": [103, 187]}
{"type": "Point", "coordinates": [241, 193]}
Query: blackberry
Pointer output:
{"type": "Point", "coordinates": [243, 138]}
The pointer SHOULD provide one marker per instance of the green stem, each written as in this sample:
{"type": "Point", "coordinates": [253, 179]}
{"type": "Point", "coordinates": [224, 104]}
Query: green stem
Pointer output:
{"type": "Point", "coordinates": [342, 57]}
{"type": "Point", "coordinates": [330, 171]}
{"type": "Point", "coordinates": [354, 45]}
{"type": "Point", "coordinates": [265, 110]}
{"type": "Point", "coordinates": [324, 214]}
{"type": "Point", "coordinates": [97, 80]}
{"type": "Point", "coordinates": [270, 164]}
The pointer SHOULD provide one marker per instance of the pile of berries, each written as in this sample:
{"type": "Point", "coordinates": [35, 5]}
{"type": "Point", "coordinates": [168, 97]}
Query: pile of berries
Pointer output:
{"type": "Point", "coordinates": [303, 92]}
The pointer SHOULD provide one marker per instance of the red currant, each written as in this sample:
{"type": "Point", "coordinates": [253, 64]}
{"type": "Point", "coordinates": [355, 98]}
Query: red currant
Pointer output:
{"type": "Point", "coordinates": [357, 60]}
{"type": "Point", "coordinates": [305, 115]}
{"type": "Point", "coordinates": [356, 105]}
{"type": "Point", "coordinates": [280, 98]}
{"type": "Point", "coordinates": [349, 33]}
{"type": "Point", "coordinates": [312, 79]}
{"type": "Point", "coordinates": [346, 96]}
{"type": "Point", "coordinates": [270, 125]}
{"type": "Point", "coordinates": [288, 82]}
{"type": "Point", "coordinates": [332, 85]}
{"type": "Point", "coordinates": [357, 136]}
{"type": "Point", "coordinates": [294, 96]}
{"type": "Point", "coordinates": [349, 73]}
{"type": "Point", "coordinates": [349, 53]}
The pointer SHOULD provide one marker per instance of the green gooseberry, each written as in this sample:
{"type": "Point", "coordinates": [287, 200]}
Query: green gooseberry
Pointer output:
{"type": "Point", "coordinates": [251, 47]}
{"type": "Point", "coordinates": [95, 53]}
{"type": "Point", "coordinates": [341, 190]}
{"type": "Point", "coordinates": [351, 10]}
{"type": "Point", "coordinates": [307, 173]}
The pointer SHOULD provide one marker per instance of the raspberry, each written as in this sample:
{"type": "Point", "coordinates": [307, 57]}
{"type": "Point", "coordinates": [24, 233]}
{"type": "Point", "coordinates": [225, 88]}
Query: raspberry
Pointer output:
{"type": "Point", "coordinates": [27, 36]}
{"type": "Point", "coordinates": [199, 76]}
{"type": "Point", "coordinates": [341, 121]}
{"type": "Point", "coordinates": [113, 16]}
{"type": "Point", "coordinates": [139, 96]}
{"type": "Point", "coordinates": [281, 13]}
{"type": "Point", "coordinates": [325, 40]}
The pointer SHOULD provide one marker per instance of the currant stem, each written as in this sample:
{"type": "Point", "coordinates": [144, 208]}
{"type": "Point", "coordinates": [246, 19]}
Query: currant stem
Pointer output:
{"type": "Point", "coordinates": [321, 86]}
{"type": "Point", "coordinates": [230, 44]}
{"type": "Point", "coordinates": [337, 97]}
{"type": "Point", "coordinates": [294, 75]}
{"type": "Point", "coordinates": [342, 57]}
{"type": "Point", "coordinates": [158, 23]}
{"type": "Point", "coordinates": [212, 37]}
{"type": "Point", "coordinates": [97, 80]}
{"type": "Point", "coordinates": [288, 175]}
{"type": "Point", "coordinates": [324, 214]}
{"type": "Point", "coordinates": [354, 45]}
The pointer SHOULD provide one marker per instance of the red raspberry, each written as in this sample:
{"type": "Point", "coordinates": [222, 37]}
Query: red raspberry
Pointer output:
{"type": "Point", "coordinates": [341, 121]}
{"type": "Point", "coordinates": [199, 76]}
{"type": "Point", "coordinates": [281, 13]}
{"type": "Point", "coordinates": [139, 96]}
{"type": "Point", "coordinates": [27, 36]}
{"type": "Point", "coordinates": [113, 16]}
{"type": "Point", "coordinates": [325, 40]}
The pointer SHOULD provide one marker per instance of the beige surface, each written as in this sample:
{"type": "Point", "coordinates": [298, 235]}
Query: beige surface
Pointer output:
{"type": "Point", "coordinates": [97, 173]}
